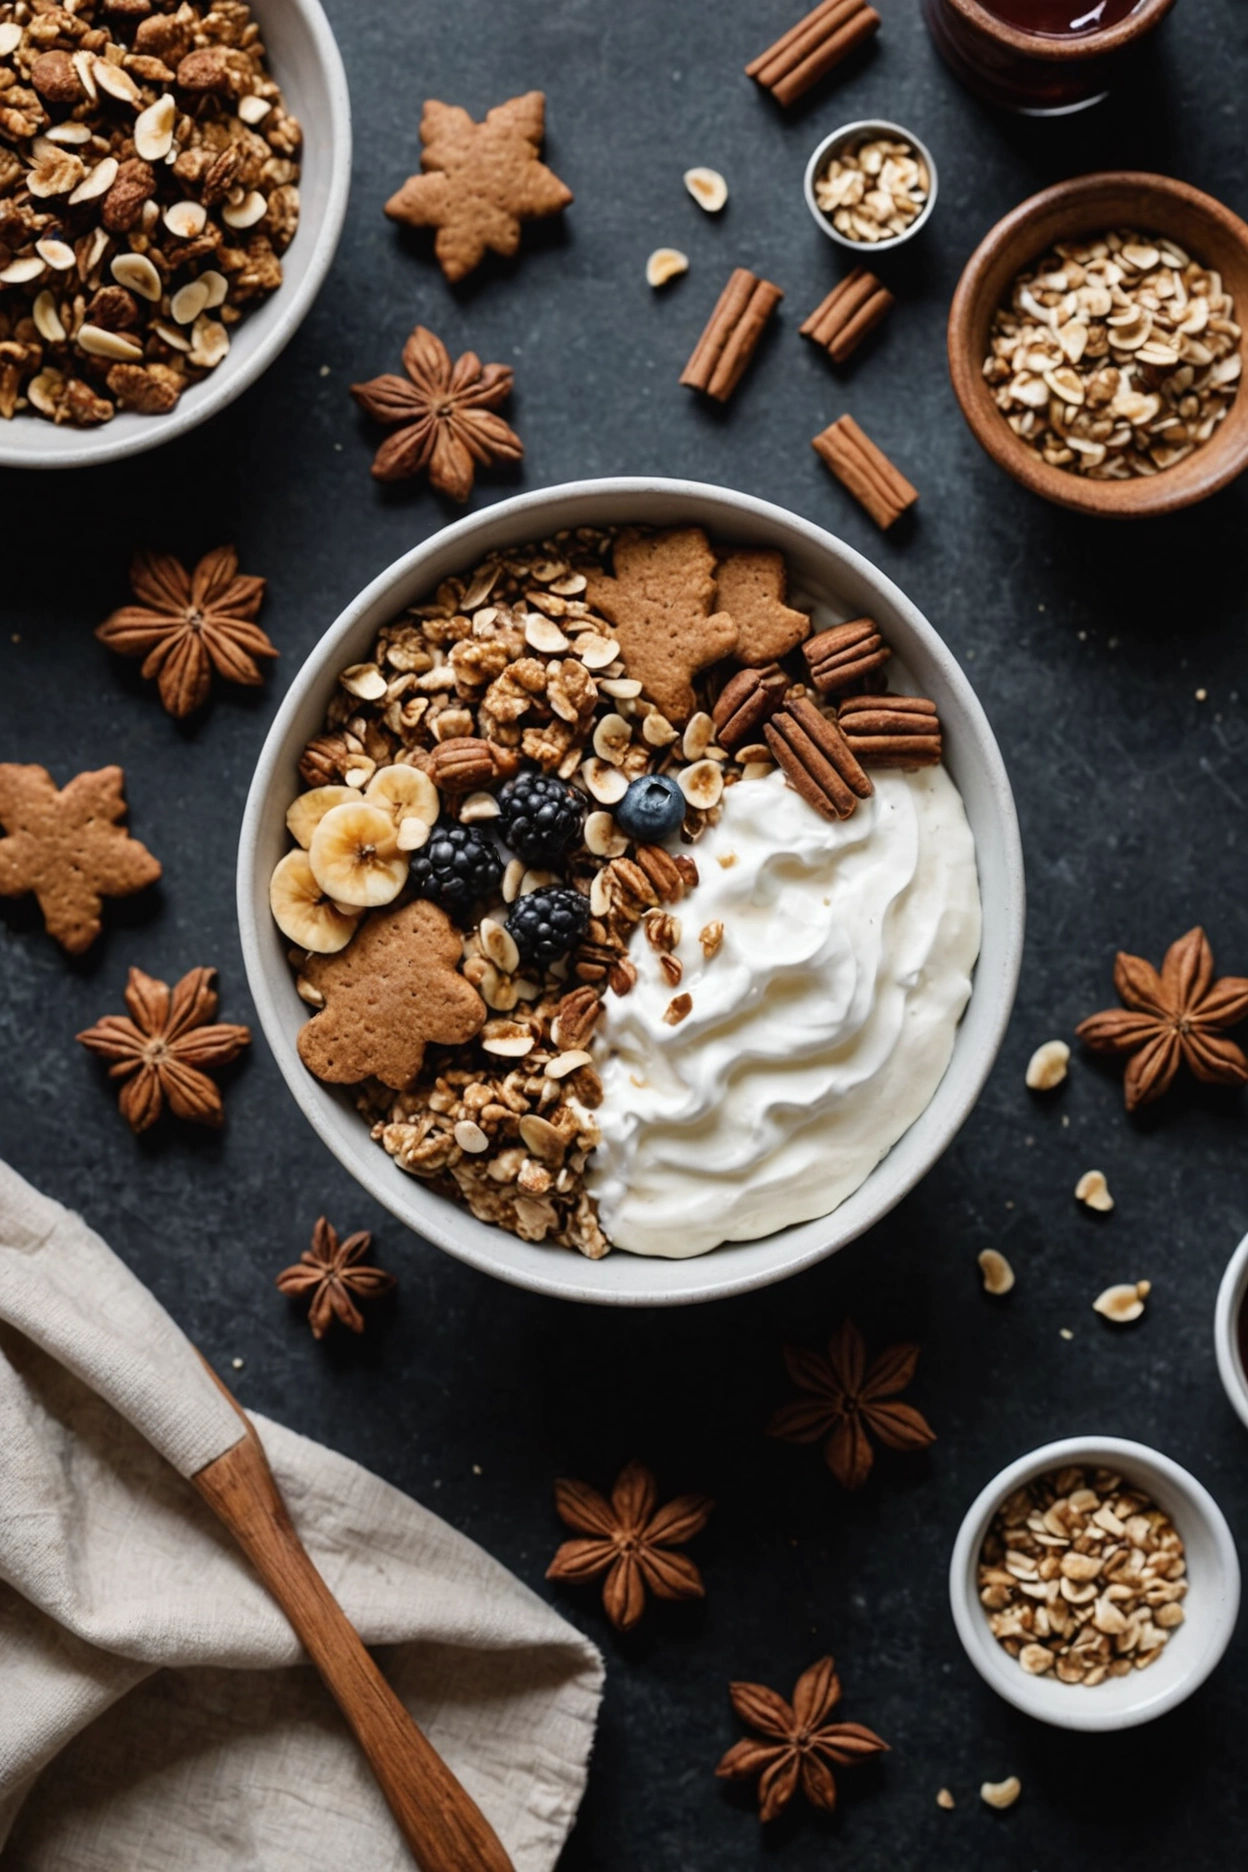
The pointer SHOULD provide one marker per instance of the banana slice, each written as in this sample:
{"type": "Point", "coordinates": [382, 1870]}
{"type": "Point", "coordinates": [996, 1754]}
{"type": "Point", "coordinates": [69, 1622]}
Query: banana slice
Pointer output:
{"type": "Point", "coordinates": [355, 856]}
{"type": "Point", "coordinates": [405, 793]}
{"type": "Point", "coordinates": [307, 811]}
{"type": "Point", "coordinates": [302, 911]}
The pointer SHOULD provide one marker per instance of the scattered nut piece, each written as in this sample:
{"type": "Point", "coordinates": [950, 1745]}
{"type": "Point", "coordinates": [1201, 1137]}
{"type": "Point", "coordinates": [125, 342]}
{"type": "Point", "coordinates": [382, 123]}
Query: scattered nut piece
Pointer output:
{"type": "Point", "coordinates": [1047, 1066]}
{"type": "Point", "coordinates": [677, 1009]}
{"type": "Point", "coordinates": [708, 188]}
{"type": "Point", "coordinates": [997, 1272]}
{"type": "Point", "coordinates": [1093, 1190]}
{"type": "Point", "coordinates": [711, 935]}
{"type": "Point", "coordinates": [1123, 1303]}
{"type": "Point", "coordinates": [1001, 1794]}
{"type": "Point", "coordinates": [664, 264]}
{"type": "Point", "coordinates": [944, 1799]}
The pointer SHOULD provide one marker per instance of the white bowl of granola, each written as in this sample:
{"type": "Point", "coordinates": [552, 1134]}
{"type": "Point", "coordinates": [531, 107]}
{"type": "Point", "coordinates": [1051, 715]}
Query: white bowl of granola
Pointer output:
{"type": "Point", "coordinates": [449, 1138]}
{"type": "Point", "coordinates": [181, 198]}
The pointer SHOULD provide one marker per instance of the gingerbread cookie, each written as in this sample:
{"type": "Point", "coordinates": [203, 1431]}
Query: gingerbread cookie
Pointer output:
{"type": "Point", "coordinates": [395, 987]}
{"type": "Point", "coordinates": [480, 181]}
{"type": "Point", "coordinates": [750, 586]}
{"type": "Point", "coordinates": [660, 604]}
{"type": "Point", "coordinates": [68, 846]}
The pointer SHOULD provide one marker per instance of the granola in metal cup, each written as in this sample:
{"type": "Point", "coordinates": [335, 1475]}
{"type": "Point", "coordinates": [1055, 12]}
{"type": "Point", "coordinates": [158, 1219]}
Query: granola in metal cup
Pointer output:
{"type": "Point", "coordinates": [1116, 356]}
{"type": "Point", "coordinates": [148, 185]}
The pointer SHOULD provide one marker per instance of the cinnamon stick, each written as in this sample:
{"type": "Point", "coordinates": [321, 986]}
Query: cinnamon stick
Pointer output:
{"type": "Point", "coordinates": [731, 336]}
{"type": "Point", "coordinates": [865, 470]}
{"type": "Point", "coordinates": [810, 49]}
{"type": "Point", "coordinates": [854, 307]}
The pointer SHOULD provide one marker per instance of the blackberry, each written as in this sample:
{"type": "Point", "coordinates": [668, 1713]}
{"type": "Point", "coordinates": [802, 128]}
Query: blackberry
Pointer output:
{"type": "Point", "coordinates": [539, 817]}
{"type": "Point", "coordinates": [547, 923]}
{"type": "Point", "coordinates": [456, 868]}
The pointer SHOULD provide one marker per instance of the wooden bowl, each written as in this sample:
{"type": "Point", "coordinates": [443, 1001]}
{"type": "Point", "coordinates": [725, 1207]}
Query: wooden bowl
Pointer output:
{"type": "Point", "coordinates": [1089, 205]}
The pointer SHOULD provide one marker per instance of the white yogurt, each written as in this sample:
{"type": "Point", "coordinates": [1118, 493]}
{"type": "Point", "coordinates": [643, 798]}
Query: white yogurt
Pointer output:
{"type": "Point", "coordinates": [818, 1032]}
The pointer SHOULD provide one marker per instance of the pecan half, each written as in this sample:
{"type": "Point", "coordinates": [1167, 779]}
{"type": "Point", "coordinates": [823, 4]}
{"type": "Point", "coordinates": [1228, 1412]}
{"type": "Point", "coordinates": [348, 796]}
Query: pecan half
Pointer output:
{"type": "Point", "coordinates": [892, 730]}
{"type": "Point", "coordinates": [816, 759]}
{"type": "Point", "coordinates": [663, 872]}
{"type": "Point", "coordinates": [840, 656]}
{"type": "Point", "coordinates": [746, 702]}
{"type": "Point", "coordinates": [462, 764]}
{"type": "Point", "coordinates": [575, 1018]}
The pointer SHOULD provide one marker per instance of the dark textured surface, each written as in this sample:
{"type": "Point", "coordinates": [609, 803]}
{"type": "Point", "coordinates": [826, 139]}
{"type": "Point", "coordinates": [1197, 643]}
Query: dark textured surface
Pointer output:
{"type": "Point", "coordinates": [1087, 645]}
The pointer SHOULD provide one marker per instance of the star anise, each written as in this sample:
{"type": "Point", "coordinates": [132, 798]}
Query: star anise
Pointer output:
{"type": "Point", "coordinates": [445, 416]}
{"type": "Point", "coordinates": [161, 1048]}
{"type": "Point", "coordinates": [330, 1271]}
{"type": "Point", "coordinates": [845, 1398]}
{"type": "Point", "coordinates": [185, 625]}
{"type": "Point", "coordinates": [629, 1541]}
{"type": "Point", "coordinates": [800, 1741]}
{"type": "Point", "coordinates": [1172, 1019]}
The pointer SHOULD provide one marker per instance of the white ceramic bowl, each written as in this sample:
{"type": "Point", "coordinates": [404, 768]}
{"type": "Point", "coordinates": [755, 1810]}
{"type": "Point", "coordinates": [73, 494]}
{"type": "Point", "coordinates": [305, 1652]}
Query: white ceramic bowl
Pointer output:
{"type": "Point", "coordinates": [821, 566]}
{"type": "Point", "coordinates": [1211, 1606]}
{"type": "Point", "coordinates": [1231, 1297]}
{"type": "Point", "coordinates": [831, 145]}
{"type": "Point", "coordinates": [305, 60]}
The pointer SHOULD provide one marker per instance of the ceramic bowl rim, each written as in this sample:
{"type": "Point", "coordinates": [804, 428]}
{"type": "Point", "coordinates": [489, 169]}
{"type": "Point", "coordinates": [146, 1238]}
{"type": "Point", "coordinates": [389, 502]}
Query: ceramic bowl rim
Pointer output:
{"type": "Point", "coordinates": [98, 446]}
{"type": "Point", "coordinates": [1231, 1294]}
{"type": "Point", "coordinates": [1002, 1673]}
{"type": "Point", "coordinates": [559, 1272]}
{"type": "Point", "coordinates": [864, 249]}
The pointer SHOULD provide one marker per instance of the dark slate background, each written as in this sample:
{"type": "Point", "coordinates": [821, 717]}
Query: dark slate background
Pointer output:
{"type": "Point", "coordinates": [1087, 643]}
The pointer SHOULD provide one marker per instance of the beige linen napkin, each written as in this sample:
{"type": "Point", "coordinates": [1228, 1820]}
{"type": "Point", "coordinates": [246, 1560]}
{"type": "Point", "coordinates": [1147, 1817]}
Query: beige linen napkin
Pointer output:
{"type": "Point", "coordinates": [154, 1713]}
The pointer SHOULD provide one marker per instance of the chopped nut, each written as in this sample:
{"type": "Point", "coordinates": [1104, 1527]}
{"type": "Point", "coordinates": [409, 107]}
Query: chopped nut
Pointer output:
{"type": "Point", "coordinates": [1047, 1066]}
{"type": "Point", "coordinates": [1001, 1794]}
{"type": "Point", "coordinates": [708, 188]}
{"type": "Point", "coordinates": [1123, 1303]}
{"type": "Point", "coordinates": [1093, 1190]}
{"type": "Point", "coordinates": [665, 264]}
{"type": "Point", "coordinates": [997, 1272]}
{"type": "Point", "coordinates": [678, 1008]}
{"type": "Point", "coordinates": [944, 1799]}
{"type": "Point", "coordinates": [873, 188]}
{"type": "Point", "coordinates": [702, 784]}
{"type": "Point", "coordinates": [711, 935]}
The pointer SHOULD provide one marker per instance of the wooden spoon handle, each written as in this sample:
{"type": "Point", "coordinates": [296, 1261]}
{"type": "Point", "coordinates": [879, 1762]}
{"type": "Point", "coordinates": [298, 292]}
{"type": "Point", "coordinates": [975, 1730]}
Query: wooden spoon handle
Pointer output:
{"type": "Point", "coordinates": [442, 1824]}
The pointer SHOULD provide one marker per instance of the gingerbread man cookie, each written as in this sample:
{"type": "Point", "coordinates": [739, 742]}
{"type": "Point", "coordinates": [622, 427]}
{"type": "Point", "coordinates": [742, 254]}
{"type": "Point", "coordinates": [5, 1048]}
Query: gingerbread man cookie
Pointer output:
{"type": "Point", "coordinates": [67, 845]}
{"type": "Point", "coordinates": [480, 181]}
{"type": "Point", "coordinates": [750, 586]}
{"type": "Point", "coordinates": [660, 604]}
{"type": "Point", "coordinates": [395, 987]}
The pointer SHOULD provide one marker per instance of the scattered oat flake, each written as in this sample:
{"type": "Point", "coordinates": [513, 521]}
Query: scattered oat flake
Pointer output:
{"type": "Point", "coordinates": [1093, 1191]}
{"type": "Point", "coordinates": [1047, 1066]}
{"type": "Point", "coordinates": [1064, 1332]}
{"type": "Point", "coordinates": [1123, 1303]}
{"type": "Point", "coordinates": [1001, 1793]}
{"type": "Point", "coordinates": [997, 1272]}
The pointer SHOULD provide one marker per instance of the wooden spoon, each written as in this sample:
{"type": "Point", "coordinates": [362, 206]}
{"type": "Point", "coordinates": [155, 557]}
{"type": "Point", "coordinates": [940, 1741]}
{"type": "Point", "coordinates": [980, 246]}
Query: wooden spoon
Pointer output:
{"type": "Point", "coordinates": [442, 1824]}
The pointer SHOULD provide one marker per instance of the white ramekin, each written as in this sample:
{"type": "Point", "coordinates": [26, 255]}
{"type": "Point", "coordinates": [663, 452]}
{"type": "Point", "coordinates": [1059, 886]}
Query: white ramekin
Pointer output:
{"type": "Point", "coordinates": [305, 60]}
{"type": "Point", "coordinates": [1231, 1297]}
{"type": "Point", "coordinates": [1211, 1606]}
{"type": "Point", "coordinates": [877, 126]}
{"type": "Point", "coordinates": [820, 565]}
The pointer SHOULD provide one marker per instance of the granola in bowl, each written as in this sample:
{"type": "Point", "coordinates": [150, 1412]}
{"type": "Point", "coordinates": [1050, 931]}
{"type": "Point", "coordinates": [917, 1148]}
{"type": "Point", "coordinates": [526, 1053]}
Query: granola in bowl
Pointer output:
{"type": "Point", "coordinates": [617, 881]}
{"type": "Point", "coordinates": [149, 177]}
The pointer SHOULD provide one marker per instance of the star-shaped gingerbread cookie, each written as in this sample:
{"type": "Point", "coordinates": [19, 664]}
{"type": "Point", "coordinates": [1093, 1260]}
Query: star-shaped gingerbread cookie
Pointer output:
{"type": "Point", "coordinates": [395, 987]}
{"type": "Point", "coordinates": [660, 604]}
{"type": "Point", "coordinates": [480, 181]}
{"type": "Point", "coordinates": [751, 586]}
{"type": "Point", "coordinates": [69, 847]}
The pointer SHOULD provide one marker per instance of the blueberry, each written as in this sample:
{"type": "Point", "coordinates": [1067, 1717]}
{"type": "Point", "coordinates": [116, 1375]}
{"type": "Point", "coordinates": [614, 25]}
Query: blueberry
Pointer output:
{"type": "Point", "coordinates": [652, 809]}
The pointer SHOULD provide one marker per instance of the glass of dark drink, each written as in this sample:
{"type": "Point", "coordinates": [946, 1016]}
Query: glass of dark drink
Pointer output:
{"type": "Point", "coordinates": [1042, 57]}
